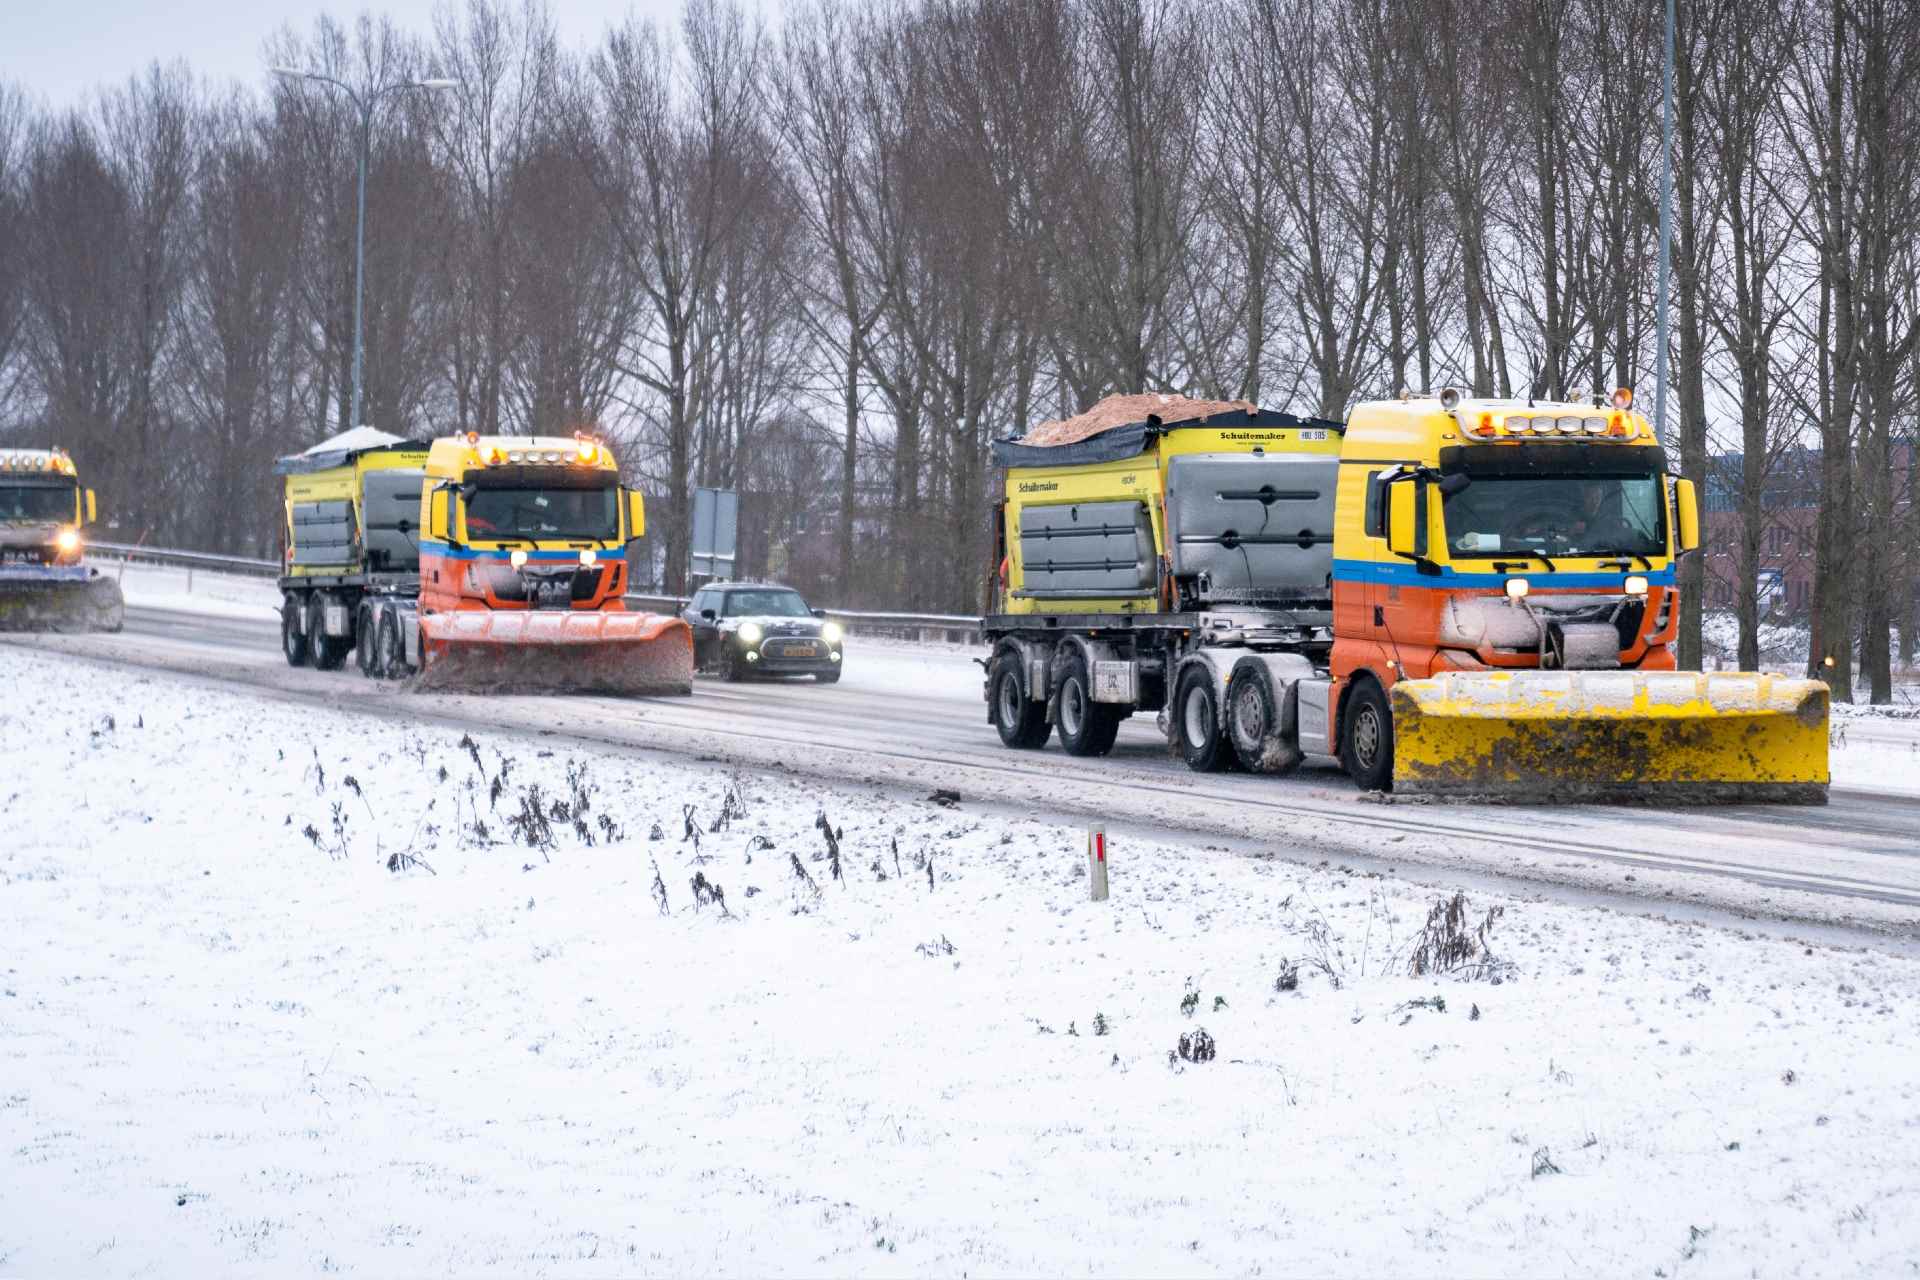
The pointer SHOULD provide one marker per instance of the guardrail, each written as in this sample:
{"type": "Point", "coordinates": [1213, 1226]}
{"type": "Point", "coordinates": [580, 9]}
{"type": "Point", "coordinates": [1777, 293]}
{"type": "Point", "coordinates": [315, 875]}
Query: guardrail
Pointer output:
{"type": "Point", "coordinates": [949, 628]}
{"type": "Point", "coordinates": [246, 566]}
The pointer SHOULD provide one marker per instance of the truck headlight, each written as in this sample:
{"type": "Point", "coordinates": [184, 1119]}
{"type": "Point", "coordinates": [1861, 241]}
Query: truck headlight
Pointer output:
{"type": "Point", "coordinates": [750, 632]}
{"type": "Point", "coordinates": [831, 633]}
{"type": "Point", "coordinates": [67, 542]}
{"type": "Point", "coordinates": [589, 558]}
{"type": "Point", "coordinates": [1516, 588]}
{"type": "Point", "coordinates": [1636, 585]}
{"type": "Point", "coordinates": [518, 559]}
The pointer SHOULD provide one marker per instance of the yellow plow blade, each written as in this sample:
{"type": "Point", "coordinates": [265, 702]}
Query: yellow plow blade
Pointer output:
{"type": "Point", "coordinates": [556, 651]}
{"type": "Point", "coordinates": [70, 604]}
{"type": "Point", "coordinates": [1570, 736]}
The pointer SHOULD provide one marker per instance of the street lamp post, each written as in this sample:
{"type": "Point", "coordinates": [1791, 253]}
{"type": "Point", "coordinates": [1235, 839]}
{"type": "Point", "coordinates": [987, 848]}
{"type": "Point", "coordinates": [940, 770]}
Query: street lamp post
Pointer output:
{"type": "Point", "coordinates": [366, 104]}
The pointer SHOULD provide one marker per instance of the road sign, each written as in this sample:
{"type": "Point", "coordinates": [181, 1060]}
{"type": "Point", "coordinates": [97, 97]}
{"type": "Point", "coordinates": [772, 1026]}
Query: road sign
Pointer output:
{"type": "Point", "coordinates": [716, 532]}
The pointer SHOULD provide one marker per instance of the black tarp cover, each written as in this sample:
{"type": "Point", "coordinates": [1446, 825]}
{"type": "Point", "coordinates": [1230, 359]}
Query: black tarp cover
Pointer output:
{"type": "Point", "coordinates": [1132, 438]}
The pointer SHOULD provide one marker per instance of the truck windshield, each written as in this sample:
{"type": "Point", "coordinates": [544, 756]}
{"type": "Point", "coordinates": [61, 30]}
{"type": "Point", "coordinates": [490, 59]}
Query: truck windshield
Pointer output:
{"type": "Point", "coordinates": [765, 604]}
{"type": "Point", "coordinates": [36, 504]}
{"type": "Point", "coordinates": [544, 513]}
{"type": "Point", "coordinates": [1586, 515]}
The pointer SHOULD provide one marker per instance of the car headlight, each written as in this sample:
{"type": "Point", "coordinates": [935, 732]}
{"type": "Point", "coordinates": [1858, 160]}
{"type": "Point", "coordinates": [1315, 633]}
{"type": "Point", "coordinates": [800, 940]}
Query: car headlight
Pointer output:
{"type": "Point", "coordinates": [831, 633]}
{"type": "Point", "coordinates": [750, 632]}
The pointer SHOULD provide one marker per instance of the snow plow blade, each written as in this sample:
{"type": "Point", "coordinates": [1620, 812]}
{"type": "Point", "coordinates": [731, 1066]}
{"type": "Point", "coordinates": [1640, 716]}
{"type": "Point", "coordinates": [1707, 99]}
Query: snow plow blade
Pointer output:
{"type": "Point", "coordinates": [66, 604]}
{"type": "Point", "coordinates": [556, 651]}
{"type": "Point", "coordinates": [1656, 737]}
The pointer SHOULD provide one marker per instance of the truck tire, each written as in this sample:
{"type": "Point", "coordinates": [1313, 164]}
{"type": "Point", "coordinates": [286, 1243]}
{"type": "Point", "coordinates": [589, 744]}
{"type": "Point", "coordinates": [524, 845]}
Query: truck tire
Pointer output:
{"type": "Point", "coordinates": [1366, 737]}
{"type": "Point", "coordinates": [1197, 726]}
{"type": "Point", "coordinates": [325, 652]}
{"type": "Point", "coordinates": [365, 643]}
{"type": "Point", "coordinates": [1254, 721]}
{"type": "Point", "coordinates": [389, 660]}
{"type": "Point", "coordinates": [1087, 728]}
{"type": "Point", "coordinates": [1021, 722]}
{"type": "Point", "coordinates": [293, 633]}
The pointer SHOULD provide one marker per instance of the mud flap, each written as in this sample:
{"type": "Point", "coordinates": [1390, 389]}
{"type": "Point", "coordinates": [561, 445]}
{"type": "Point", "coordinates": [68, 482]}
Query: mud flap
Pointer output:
{"type": "Point", "coordinates": [1576, 736]}
{"type": "Point", "coordinates": [551, 651]}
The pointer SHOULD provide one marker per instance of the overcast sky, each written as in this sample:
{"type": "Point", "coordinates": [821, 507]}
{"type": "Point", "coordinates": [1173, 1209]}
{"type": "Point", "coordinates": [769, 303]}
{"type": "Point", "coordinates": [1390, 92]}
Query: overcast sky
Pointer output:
{"type": "Point", "coordinates": [60, 49]}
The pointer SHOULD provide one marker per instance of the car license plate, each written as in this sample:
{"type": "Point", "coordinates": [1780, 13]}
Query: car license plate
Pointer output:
{"type": "Point", "coordinates": [800, 649]}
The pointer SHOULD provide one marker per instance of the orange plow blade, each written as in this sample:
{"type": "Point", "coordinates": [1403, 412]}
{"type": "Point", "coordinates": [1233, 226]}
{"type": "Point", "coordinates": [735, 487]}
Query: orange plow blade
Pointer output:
{"type": "Point", "coordinates": [556, 651]}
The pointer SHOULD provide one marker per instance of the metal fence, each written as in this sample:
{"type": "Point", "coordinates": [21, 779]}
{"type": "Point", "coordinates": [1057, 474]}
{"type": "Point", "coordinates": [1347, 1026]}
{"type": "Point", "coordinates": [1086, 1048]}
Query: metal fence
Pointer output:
{"type": "Point", "coordinates": [925, 627]}
{"type": "Point", "coordinates": [245, 566]}
{"type": "Point", "coordinates": [947, 628]}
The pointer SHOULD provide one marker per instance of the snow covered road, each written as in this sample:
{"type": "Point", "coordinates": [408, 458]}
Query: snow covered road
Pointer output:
{"type": "Point", "coordinates": [914, 718]}
{"type": "Point", "coordinates": [295, 989]}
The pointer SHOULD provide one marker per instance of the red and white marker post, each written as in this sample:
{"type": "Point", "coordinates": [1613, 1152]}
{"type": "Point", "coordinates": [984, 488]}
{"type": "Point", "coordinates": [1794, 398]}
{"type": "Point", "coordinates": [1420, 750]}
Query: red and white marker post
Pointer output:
{"type": "Point", "coordinates": [1097, 861]}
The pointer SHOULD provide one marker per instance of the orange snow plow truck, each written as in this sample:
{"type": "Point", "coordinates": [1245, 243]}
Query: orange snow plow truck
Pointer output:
{"type": "Point", "coordinates": [479, 564]}
{"type": "Point", "coordinates": [1444, 595]}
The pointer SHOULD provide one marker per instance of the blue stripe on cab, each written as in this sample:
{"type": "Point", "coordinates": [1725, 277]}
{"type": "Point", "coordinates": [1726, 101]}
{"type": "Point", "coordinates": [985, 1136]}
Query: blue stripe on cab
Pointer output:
{"type": "Point", "coordinates": [1406, 575]}
{"type": "Point", "coordinates": [503, 553]}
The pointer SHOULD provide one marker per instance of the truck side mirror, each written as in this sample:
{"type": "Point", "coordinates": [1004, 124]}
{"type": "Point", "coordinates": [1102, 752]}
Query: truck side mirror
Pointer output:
{"type": "Point", "coordinates": [1686, 503]}
{"type": "Point", "coordinates": [1406, 516]}
{"type": "Point", "coordinates": [636, 514]}
{"type": "Point", "coordinates": [93, 508]}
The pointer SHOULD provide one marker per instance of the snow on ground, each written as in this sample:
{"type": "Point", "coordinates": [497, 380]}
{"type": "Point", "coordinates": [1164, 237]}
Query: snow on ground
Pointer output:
{"type": "Point", "coordinates": [243, 1028]}
{"type": "Point", "coordinates": [221, 595]}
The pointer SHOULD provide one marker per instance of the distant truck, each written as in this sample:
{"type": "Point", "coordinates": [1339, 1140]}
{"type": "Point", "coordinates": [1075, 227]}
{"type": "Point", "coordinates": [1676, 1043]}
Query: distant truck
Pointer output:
{"type": "Point", "coordinates": [479, 563]}
{"type": "Point", "coordinates": [45, 582]}
{"type": "Point", "coordinates": [1447, 595]}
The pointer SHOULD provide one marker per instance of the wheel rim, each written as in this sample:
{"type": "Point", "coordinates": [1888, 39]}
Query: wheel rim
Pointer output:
{"type": "Point", "coordinates": [1073, 708]}
{"type": "Point", "coordinates": [1009, 699]}
{"type": "Point", "coordinates": [1366, 737]}
{"type": "Point", "coordinates": [1198, 716]}
{"type": "Point", "coordinates": [1249, 715]}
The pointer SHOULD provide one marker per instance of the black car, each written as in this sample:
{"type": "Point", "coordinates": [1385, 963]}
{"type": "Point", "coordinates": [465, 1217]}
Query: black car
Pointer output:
{"type": "Point", "coordinates": [757, 628]}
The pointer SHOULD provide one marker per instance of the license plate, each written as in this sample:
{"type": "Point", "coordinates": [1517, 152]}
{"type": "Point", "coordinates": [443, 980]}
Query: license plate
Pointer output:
{"type": "Point", "coordinates": [800, 649]}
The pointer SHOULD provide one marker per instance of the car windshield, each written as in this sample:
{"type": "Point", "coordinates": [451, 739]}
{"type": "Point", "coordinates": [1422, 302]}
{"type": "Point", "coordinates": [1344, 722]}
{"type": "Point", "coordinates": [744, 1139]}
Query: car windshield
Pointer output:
{"type": "Point", "coordinates": [1587, 515]}
{"type": "Point", "coordinates": [543, 513]}
{"type": "Point", "coordinates": [765, 604]}
{"type": "Point", "coordinates": [36, 504]}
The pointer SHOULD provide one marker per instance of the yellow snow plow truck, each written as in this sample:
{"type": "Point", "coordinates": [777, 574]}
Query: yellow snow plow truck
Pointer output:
{"type": "Point", "coordinates": [481, 564]}
{"type": "Point", "coordinates": [1446, 595]}
{"type": "Point", "coordinates": [45, 582]}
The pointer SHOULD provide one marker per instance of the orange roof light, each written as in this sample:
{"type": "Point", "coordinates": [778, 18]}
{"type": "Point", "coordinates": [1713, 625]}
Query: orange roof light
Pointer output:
{"type": "Point", "coordinates": [1623, 398]}
{"type": "Point", "coordinates": [588, 450]}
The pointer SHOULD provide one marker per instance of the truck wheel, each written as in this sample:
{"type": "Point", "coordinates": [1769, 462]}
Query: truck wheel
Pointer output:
{"type": "Point", "coordinates": [293, 635]}
{"type": "Point", "coordinates": [365, 642]}
{"type": "Point", "coordinates": [1021, 722]}
{"type": "Point", "coordinates": [326, 653]}
{"type": "Point", "coordinates": [1196, 722]}
{"type": "Point", "coordinates": [1366, 737]}
{"type": "Point", "coordinates": [389, 662]}
{"type": "Point", "coordinates": [1087, 728]}
{"type": "Point", "coordinates": [1254, 721]}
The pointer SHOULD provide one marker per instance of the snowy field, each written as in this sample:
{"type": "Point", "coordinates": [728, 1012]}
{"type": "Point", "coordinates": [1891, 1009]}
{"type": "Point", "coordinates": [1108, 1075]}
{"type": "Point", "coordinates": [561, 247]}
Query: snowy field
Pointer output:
{"type": "Point", "coordinates": [292, 991]}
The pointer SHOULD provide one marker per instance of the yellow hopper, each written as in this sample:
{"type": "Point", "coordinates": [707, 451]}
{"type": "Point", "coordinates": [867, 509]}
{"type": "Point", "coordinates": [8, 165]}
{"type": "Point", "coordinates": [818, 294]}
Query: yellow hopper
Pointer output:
{"type": "Point", "coordinates": [1656, 736]}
